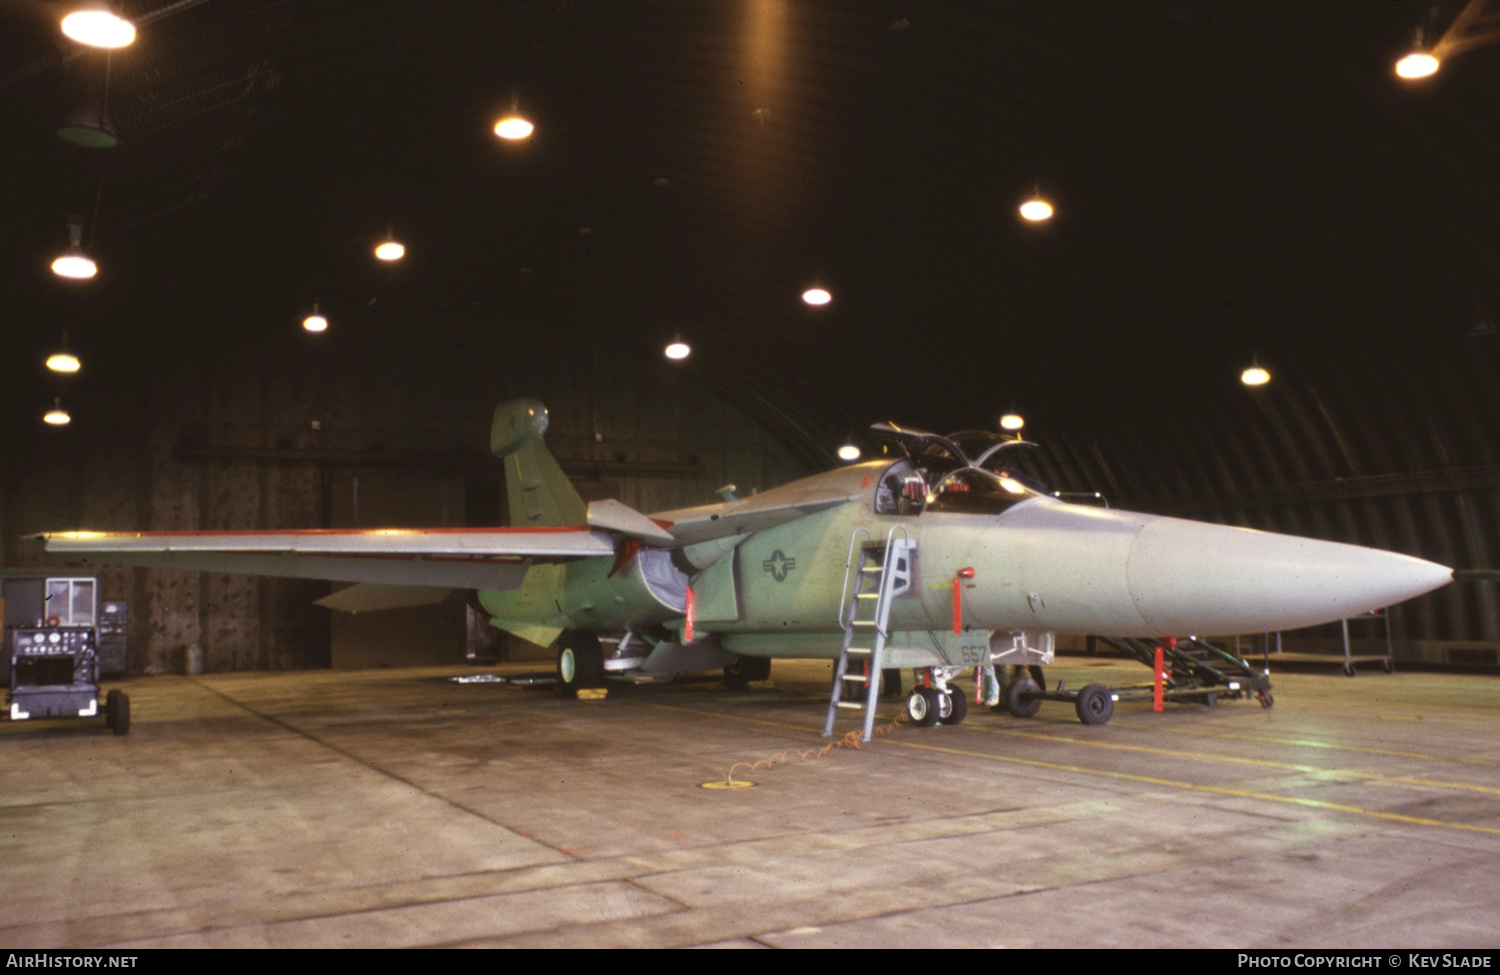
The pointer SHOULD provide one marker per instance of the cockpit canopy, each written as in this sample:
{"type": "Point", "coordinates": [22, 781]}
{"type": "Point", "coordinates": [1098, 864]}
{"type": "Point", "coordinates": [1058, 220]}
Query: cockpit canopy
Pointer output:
{"type": "Point", "coordinates": [909, 490]}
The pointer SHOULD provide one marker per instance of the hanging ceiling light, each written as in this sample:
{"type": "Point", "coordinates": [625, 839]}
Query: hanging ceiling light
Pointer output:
{"type": "Point", "coordinates": [390, 249]}
{"type": "Point", "coordinates": [513, 128]}
{"type": "Point", "coordinates": [678, 349]}
{"type": "Point", "coordinates": [87, 125]}
{"type": "Point", "coordinates": [1036, 210]}
{"type": "Point", "coordinates": [1255, 376]}
{"type": "Point", "coordinates": [817, 296]}
{"type": "Point", "coordinates": [849, 452]}
{"type": "Point", "coordinates": [1012, 421]}
{"type": "Point", "coordinates": [63, 362]}
{"type": "Point", "coordinates": [98, 28]}
{"type": "Point", "coordinates": [74, 263]}
{"type": "Point", "coordinates": [315, 322]}
{"type": "Point", "coordinates": [57, 416]}
{"type": "Point", "coordinates": [1417, 64]}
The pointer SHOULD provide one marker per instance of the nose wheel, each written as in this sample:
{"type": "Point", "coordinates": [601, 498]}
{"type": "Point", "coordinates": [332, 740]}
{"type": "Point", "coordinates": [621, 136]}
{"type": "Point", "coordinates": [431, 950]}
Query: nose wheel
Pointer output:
{"type": "Point", "coordinates": [927, 706]}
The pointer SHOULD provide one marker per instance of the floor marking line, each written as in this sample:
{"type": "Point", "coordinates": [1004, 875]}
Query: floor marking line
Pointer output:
{"type": "Point", "coordinates": [1241, 760]}
{"type": "Point", "coordinates": [1329, 746]}
{"type": "Point", "coordinates": [1127, 776]}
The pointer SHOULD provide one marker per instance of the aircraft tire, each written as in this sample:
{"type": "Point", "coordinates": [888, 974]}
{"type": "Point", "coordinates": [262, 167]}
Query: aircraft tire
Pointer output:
{"type": "Point", "coordinates": [580, 662]}
{"type": "Point", "coordinates": [922, 706]}
{"type": "Point", "coordinates": [739, 674]}
{"type": "Point", "coordinates": [959, 708]}
{"type": "Point", "coordinates": [1018, 706]}
{"type": "Point", "coordinates": [110, 701]}
{"type": "Point", "coordinates": [1094, 705]}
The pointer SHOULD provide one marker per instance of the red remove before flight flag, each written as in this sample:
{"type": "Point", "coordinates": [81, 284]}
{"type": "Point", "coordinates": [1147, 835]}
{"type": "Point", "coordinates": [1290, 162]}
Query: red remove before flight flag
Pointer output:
{"type": "Point", "coordinates": [958, 598]}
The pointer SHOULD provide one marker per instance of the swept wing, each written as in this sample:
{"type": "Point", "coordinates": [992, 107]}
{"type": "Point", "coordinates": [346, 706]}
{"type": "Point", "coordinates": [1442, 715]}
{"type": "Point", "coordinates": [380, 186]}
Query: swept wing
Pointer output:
{"type": "Point", "coordinates": [464, 558]}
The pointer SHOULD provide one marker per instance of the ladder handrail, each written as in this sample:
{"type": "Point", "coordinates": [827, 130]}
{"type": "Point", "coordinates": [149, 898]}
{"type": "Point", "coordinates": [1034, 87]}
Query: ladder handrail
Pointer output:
{"type": "Point", "coordinates": [896, 553]}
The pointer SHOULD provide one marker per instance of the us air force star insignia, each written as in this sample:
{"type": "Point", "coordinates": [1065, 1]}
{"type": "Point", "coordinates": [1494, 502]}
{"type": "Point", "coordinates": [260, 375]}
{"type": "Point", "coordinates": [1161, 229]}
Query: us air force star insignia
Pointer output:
{"type": "Point", "coordinates": [779, 565]}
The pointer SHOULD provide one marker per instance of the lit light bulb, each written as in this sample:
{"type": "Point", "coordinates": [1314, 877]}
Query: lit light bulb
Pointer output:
{"type": "Point", "coordinates": [98, 28]}
{"type": "Point", "coordinates": [75, 265]}
{"type": "Point", "coordinates": [315, 323]}
{"type": "Point", "coordinates": [513, 127]}
{"type": "Point", "coordinates": [57, 416]}
{"type": "Point", "coordinates": [1036, 209]}
{"type": "Point", "coordinates": [849, 452]}
{"type": "Point", "coordinates": [390, 250]}
{"type": "Point", "coordinates": [62, 362]}
{"type": "Point", "coordinates": [1012, 421]}
{"type": "Point", "coordinates": [817, 296]}
{"type": "Point", "coordinates": [678, 350]}
{"type": "Point", "coordinates": [1418, 64]}
{"type": "Point", "coordinates": [1255, 376]}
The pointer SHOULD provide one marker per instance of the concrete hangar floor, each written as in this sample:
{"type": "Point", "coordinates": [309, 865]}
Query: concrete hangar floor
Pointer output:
{"type": "Point", "coordinates": [398, 808]}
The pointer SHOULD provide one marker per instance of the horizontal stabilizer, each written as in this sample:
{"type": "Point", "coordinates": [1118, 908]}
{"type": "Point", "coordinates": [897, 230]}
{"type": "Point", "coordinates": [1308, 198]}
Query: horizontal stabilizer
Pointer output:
{"type": "Point", "coordinates": [616, 517]}
{"type": "Point", "coordinates": [692, 525]}
{"type": "Point", "coordinates": [364, 597]}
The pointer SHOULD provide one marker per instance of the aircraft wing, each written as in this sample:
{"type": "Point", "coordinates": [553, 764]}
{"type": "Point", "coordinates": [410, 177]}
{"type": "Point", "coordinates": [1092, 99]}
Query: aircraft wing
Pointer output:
{"type": "Point", "coordinates": [458, 558]}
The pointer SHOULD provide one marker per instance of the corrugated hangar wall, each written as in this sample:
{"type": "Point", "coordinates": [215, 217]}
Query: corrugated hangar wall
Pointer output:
{"type": "Point", "coordinates": [1389, 443]}
{"type": "Point", "coordinates": [403, 440]}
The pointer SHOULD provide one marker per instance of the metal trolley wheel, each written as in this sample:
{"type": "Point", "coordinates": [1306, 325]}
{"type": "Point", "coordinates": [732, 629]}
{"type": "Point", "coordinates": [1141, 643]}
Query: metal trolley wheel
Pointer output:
{"type": "Point", "coordinates": [1018, 705]}
{"type": "Point", "coordinates": [1094, 704]}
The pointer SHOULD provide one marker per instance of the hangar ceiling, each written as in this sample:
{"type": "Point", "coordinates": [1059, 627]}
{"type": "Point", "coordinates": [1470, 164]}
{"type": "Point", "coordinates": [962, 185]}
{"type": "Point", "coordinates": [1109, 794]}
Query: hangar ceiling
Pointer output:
{"type": "Point", "coordinates": [1234, 182]}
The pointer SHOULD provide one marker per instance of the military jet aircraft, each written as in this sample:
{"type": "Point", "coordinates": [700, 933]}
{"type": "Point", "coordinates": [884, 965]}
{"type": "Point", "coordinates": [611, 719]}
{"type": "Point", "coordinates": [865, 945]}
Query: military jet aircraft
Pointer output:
{"type": "Point", "coordinates": [940, 559]}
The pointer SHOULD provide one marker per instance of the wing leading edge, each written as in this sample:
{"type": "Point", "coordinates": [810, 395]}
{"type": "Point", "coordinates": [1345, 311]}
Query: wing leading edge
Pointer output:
{"type": "Point", "coordinates": [460, 558]}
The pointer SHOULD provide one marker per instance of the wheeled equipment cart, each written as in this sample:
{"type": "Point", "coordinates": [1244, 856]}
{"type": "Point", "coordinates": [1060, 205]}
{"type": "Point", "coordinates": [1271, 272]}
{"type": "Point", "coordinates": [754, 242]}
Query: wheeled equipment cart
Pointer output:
{"type": "Point", "coordinates": [54, 673]}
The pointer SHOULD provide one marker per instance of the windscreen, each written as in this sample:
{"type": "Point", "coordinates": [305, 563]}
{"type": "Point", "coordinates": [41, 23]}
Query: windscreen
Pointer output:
{"type": "Point", "coordinates": [976, 492]}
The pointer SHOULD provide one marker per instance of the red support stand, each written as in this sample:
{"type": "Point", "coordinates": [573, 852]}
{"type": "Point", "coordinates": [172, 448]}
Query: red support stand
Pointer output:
{"type": "Point", "coordinates": [1159, 672]}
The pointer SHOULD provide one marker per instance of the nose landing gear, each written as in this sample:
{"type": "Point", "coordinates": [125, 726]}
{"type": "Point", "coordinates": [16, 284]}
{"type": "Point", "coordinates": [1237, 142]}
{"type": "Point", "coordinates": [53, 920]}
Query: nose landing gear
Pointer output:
{"type": "Point", "coordinates": [941, 703]}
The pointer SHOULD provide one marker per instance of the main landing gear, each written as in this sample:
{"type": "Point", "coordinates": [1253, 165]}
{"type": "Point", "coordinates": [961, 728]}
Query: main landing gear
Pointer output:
{"type": "Point", "coordinates": [580, 662]}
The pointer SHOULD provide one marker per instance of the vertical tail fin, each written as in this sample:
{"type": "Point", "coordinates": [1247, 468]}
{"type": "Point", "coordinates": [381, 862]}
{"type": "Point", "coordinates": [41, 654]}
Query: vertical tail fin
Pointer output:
{"type": "Point", "coordinates": [538, 491]}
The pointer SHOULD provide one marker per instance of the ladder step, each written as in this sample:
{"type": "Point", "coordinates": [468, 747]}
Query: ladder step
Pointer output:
{"type": "Point", "coordinates": [856, 678]}
{"type": "Point", "coordinates": [867, 595]}
{"type": "Point", "coordinates": [851, 705]}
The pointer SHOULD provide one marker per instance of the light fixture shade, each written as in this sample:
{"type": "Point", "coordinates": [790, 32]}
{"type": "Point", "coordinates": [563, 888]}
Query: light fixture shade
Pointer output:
{"type": "Point", "coordinates": [849, 452]}
{"type": "Point", "coordinates": [1417, 64]}
{"type": "Point", "coordinates": [87, 126]}
{"type": "Point", "coordinates": [1036, 210]}
{"type": "Point", "coordinates": [1012, 421]}
{"type": "Point", "coordinates": [57, 416]}
{"type": "Point", "coordinates": [678, 350]}
{"type": "Point", "coordinates": [63, 362]}
{"type": "Point", "coordinates": [817, 296]}
{"type": "Point", "coordinates": [76, 265]}
{"type": "Point", "coordinates": [98, 28]}
{"type": "Point", "coordinates": [390, 250]}
{"type": "Point", "coordinates": [513, 127]}
{"type": "Point", "coordinates": [1255, 376]}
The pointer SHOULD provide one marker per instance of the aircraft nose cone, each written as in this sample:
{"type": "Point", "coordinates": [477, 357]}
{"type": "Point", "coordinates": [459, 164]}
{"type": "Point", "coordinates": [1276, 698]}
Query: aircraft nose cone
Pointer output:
{"type": "Point", "coordinates": [1191, 578]}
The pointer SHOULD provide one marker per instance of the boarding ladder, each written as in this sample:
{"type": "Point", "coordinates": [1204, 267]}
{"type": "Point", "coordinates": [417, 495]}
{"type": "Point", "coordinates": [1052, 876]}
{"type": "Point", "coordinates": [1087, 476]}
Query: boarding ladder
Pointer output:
{"type": "Point", "coordinates": [881, 573]}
